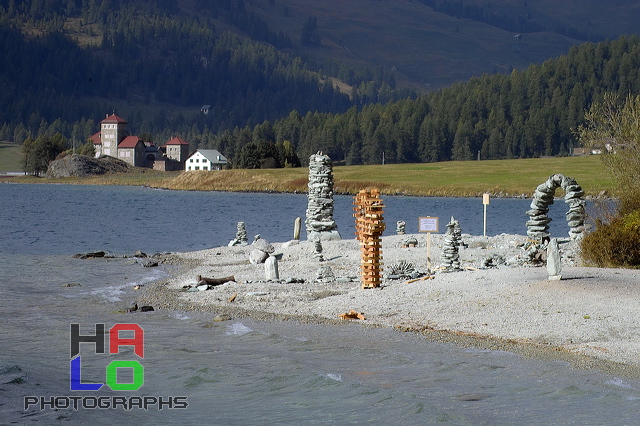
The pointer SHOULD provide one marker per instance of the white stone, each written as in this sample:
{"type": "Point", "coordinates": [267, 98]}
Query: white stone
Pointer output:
{"type": "Point", "coordinates": [271, 268]}
{"type": "Point", "coordinates": [554, 262]}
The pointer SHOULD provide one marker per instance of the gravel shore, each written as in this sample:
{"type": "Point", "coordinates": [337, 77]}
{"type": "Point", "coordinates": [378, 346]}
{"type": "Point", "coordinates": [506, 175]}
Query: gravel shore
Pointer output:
{"type": "Point", "coordinates": [500, 300]}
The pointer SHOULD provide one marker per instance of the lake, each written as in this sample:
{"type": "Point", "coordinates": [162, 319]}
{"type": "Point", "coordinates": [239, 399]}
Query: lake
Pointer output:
{"type": "Point", "coordinates": [246, 371]}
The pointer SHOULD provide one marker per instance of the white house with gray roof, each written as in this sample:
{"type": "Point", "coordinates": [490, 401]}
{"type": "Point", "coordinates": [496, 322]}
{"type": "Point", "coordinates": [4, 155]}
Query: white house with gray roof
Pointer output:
{"type": "Point", "coordinates": [205, 159]}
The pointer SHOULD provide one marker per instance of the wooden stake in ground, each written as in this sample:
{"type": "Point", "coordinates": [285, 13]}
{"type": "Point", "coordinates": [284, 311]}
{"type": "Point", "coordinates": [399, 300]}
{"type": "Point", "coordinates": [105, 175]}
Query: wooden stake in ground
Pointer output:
{"type": "Point", "coordinates": [368, 211]}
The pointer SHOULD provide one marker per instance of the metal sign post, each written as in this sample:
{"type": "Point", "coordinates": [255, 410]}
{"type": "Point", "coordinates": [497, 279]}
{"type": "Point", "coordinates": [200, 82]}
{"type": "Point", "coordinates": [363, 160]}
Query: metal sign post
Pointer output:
{"type": "Point", "coordinates": [485, 202]}
{"type": "Point", "coordinates": [428, 224]}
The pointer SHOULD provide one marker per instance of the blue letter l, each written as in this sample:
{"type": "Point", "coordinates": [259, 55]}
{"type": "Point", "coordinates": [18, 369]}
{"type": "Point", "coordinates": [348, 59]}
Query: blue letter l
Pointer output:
{"type": "Point", "coordinates": [74, 367]}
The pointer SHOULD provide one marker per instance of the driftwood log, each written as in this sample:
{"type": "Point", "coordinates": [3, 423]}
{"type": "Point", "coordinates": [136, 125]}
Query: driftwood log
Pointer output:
{"type": "Point", "coordinates": [90, 255]}
{"type": "Point", "coordinates": [214, 281]}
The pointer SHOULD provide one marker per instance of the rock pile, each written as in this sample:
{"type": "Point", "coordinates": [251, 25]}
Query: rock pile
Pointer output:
{"type": "Point", "coordinates": [409, 242]}
{"type": "Point", "coordinates": [400, 227]}
{"type": "Point", "coordinates": [319, 221]}
{"type": "Point", "coordinates": [262, 249]}
{"type": "Point", "coordinates": [325, 274]}
{"type": "Point", "coordinates": [450, 257]}
{"type": "Point", "coordinates": [241, 236]}
{"type": "Point", "coordinates": [317, 252]}
{"type": "Point", "coordinates": [538, 223]}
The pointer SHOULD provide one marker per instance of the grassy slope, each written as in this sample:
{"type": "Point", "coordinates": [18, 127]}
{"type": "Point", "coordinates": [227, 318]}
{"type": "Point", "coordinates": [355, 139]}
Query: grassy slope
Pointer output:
{"type": "Point", "coordinates": [10, 155]}
{"type": "Point", "coordinates": [470, 178]}
{"type": "Point", "coordinates": [427, 49]}
{"type": "Point", "coordinates": [607, 18]}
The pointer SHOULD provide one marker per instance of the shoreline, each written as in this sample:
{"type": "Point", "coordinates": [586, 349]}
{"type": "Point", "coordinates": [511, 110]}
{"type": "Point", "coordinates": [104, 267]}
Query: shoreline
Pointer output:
{"type": "Point", "coordinates": [497, 195]}
{"type": "Point", "coordinates": [587, 319]}
{"type": "Point", "coordinates": [515, 178]}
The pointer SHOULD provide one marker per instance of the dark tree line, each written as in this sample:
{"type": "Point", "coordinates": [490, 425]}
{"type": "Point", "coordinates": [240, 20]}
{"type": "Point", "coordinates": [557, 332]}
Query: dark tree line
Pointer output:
{"type": "Point", "coordinates": [38, 153]}
{"type": "Point", "coordinates": [524, 114]}
{"type": "Point", "coordinates": [274, 108]}
{"type": "Point", "coordinates": [151, 52]}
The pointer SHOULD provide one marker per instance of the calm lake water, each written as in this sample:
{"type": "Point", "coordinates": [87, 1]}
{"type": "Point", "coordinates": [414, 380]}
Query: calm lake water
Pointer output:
{"type": "Point", "coordinates": [65, 219]}
{"type": "Point", "coordinates": [245, 371]}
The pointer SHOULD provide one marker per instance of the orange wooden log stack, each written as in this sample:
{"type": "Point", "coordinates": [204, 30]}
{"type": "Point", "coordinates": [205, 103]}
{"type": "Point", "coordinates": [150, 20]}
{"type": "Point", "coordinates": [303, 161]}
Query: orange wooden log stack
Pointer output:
{"type": "Point", "coordinates": [368, 213]}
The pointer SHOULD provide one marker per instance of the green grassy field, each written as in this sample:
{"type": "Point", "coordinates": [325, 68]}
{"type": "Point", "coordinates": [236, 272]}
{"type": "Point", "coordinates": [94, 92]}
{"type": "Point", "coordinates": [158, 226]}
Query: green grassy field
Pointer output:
{"type": "Point", "coordinates": [10, 155]}
{"type": "Point", "coordinates": [453, 178]}
{"type": "Point", "coordinates": [472, 178]}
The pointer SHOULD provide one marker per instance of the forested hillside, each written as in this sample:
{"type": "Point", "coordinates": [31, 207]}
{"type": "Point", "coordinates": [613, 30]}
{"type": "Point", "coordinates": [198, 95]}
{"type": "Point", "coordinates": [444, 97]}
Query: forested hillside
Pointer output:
{"type": "Point", "coordinates": [270, 71]}
{"type": "Point", "coordinates": [524, 114]}
{"type": "Point", "coordinates": [66, 63]}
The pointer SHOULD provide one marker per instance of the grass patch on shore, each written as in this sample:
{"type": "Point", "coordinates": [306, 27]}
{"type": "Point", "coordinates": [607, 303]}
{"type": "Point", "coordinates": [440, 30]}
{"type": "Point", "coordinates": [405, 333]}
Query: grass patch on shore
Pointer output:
{"type": "Point", "coordinates": [452, 178]}
{"type": "Point", "coordinates": [10, 156]}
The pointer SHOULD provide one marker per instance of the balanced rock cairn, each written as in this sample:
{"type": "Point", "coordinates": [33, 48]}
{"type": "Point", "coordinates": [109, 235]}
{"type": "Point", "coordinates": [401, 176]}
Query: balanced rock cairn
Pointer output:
{"type": "Point", "coordinates": [325, 274]}
{"type": "Point", "coordinates": [241, 236]}
{"type": "Point", "coordinates": [317, 252]}
{"type": "Point", "coordinates": [319, 221]}
{"type": "Point", "coordinates": [262, 249]}
{"type": "Point", "coordinates": [400, 227]}
{"type": "Point", "coordinates": [538, 223]}
{"type": "Point", "coordinates": [409, 242]}
{"type": "Point", "coordinates": [452, 240]}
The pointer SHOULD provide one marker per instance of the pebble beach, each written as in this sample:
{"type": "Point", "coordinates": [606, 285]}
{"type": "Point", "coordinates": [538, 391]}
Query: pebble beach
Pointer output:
{"type": "Point", "coordinates": [588, 318]}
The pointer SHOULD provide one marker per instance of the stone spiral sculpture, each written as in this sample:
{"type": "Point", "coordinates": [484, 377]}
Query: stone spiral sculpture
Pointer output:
{"type": "Point", "coordinates": [319, 222]}
{"type": "Point", "coordinates": [538, 223]}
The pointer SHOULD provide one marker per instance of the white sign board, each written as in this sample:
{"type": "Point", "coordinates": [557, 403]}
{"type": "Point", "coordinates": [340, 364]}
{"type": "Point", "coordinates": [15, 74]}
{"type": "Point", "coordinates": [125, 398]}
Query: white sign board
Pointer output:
{"type": "Point", "coordinates": [428, 224]}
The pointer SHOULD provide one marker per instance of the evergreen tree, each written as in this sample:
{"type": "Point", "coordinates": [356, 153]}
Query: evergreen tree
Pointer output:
{"type": "Point", "coordinates": [38, 153]}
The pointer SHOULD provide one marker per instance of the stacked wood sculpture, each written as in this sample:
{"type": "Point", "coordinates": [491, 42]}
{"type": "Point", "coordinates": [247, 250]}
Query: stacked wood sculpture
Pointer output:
{"type": "Point", "coordinates": [369, 227]}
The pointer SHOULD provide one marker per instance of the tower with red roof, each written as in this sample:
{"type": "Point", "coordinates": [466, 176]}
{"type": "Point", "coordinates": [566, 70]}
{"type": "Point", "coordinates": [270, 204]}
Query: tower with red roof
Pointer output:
{"type": "Point", "coordinates": [113, 130]}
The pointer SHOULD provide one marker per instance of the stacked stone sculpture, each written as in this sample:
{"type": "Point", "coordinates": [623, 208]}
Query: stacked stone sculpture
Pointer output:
{"type": "Point", "coordinates": [317, 252]}
{"type": "Point", "coordinates": [369, 227]}
{"type": "Point", "coordinates": [409, 242]}
{"type": "Point", "coordinates": [324, 274]}
{"type": "Point", "coordinates": [319, 221]}
{"type": "Point", "coordinates": [400, 227]}
{"type": "Point", "coordinates": [450, 256]}
{"type": "Point", "coordinates": [262, 249]}
{"type": "Point", "coordinates": [241, 236]}
{"type": "Point", "coordinates": [538, 223]}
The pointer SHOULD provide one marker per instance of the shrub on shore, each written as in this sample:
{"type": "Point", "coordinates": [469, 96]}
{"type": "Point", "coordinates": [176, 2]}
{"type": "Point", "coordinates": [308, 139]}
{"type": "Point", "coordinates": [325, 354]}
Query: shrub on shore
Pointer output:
{"type": "Point", "coordinates": [615, 243]}
{"type": "Point", "coordinates": [613, 127]}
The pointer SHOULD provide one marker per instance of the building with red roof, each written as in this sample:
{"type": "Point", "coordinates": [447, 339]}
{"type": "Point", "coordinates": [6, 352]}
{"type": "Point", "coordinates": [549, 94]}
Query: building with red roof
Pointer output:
{"type": "Point", "coordinates": [177, 149]}
{"type": "Point", "coordinates": [114, 140]}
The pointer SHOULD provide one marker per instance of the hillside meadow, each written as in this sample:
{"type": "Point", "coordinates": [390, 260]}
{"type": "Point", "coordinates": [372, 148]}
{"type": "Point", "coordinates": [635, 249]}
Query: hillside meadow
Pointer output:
{"type": "Point", "coordinates": [10, 156]}
{"type": "Point", "coordinates": [454, 178]}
